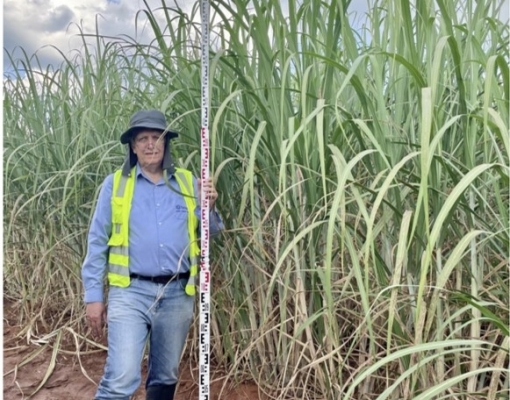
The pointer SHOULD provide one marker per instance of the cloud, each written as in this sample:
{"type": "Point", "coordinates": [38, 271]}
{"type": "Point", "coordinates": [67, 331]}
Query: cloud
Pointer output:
{"type": "Point", "coordinates": [56, 19]}
{"type": "Point", "coordinates": [36, 25]}
{"type": "Point", "coordinates": [36, 18]}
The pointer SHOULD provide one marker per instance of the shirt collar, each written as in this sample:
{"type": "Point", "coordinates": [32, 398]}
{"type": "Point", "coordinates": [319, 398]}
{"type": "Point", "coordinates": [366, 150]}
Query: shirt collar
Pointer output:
{"type": "Point", "coordinates": [139, 172]}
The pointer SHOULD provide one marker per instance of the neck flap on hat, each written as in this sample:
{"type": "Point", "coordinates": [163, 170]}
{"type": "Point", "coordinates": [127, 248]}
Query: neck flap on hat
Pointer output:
{"type": "Point", "coordinates": [168, 161]}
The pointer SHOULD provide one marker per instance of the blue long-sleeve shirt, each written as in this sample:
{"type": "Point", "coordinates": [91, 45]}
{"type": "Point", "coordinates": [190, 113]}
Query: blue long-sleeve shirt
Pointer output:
{"type": "Point", "coordinates": [158, 232]}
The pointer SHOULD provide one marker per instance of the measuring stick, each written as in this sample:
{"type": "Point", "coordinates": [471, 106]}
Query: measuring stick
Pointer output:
{"type": "Point", "coordinates": [205, 274]}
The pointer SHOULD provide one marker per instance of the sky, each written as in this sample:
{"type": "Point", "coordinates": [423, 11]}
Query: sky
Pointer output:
{"type": "Point", "coordinates": [36, 24]}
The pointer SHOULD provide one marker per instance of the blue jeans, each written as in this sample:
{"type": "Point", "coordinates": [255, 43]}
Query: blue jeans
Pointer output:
{"type": "Point", "coordinates": [160, 312]}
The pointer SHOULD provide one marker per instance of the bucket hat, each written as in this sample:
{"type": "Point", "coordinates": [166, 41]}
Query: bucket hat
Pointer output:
{"type": "Point", "coordinates": [148, 119]}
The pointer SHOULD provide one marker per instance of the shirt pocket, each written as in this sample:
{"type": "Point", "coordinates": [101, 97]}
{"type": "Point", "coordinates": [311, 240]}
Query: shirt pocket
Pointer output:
{"type": "Point", "coordinates": [180, 211]}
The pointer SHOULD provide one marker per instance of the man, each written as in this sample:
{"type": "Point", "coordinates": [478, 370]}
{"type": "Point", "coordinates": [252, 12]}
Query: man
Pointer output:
{"type": "Point", "coordinates": [144, 236]}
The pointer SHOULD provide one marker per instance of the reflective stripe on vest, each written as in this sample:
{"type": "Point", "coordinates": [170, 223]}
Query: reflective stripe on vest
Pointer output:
{"type": "Point", "coordinates": [122, 197]}
{"type": "Point", "coordinates": [185, 181]}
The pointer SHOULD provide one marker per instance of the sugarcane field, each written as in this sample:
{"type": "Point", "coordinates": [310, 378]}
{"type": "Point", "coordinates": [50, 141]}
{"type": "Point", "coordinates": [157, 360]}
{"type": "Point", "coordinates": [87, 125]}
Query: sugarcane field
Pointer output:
{"type": "Point", "coordinates": [256, 200]}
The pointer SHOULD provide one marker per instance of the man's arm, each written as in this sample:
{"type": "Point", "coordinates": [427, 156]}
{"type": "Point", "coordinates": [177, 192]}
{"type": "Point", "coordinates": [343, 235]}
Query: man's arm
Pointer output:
{"type": "Point", "coordinates": [94, 265]}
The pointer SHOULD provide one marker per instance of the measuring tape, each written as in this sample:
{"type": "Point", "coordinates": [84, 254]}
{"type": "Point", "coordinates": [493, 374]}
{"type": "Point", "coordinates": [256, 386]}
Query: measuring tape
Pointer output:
{"type": "Point", "coordinates": [205, 273]}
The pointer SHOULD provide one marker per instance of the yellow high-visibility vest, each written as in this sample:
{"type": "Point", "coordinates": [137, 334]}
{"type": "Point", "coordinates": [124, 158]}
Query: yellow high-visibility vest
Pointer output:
{"type": "Point", "coordinates": [122, 197]}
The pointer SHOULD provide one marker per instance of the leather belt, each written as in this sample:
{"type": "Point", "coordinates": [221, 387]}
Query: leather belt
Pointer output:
{"type": "Point", "coordinates": [162, 278]}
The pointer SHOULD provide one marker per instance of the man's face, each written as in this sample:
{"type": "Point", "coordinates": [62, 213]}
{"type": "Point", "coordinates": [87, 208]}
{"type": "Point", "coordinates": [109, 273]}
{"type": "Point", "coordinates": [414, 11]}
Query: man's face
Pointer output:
{"type": "Point", "coordinates": [149, 146]}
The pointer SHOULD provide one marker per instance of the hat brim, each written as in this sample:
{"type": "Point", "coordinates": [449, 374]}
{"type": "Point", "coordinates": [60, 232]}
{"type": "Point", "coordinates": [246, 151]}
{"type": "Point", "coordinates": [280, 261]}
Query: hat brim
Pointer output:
{"type": "Point", "coordinates": [126, 137]}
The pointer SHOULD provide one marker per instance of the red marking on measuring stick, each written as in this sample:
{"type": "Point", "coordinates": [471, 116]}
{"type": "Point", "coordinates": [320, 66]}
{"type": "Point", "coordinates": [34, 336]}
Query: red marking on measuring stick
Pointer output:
{"type": "Point", "coordinates": [205, 274]}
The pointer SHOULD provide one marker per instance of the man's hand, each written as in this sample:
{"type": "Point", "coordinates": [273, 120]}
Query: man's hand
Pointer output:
{"type": "Point", "coordinates": [210, 191]}
{"type": "Point", "coordinates": [96, 318]}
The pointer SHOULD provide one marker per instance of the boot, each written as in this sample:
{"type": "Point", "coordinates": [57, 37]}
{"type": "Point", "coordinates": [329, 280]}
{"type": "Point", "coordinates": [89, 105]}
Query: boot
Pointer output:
{"type": "Point", "coordinates": [160, 392]}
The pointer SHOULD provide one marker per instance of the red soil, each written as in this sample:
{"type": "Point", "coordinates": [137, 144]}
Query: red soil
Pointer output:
{"type": "Point", "coordinates": [68, 381]}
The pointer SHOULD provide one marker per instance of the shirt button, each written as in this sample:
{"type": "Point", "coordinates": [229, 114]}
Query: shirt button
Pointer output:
{"type": "Point", "coordinates": [159, 223]}
{"type": "Point", "coordinates": [157, 205]}
{"type": "Point", "coordinates": [160, 245]}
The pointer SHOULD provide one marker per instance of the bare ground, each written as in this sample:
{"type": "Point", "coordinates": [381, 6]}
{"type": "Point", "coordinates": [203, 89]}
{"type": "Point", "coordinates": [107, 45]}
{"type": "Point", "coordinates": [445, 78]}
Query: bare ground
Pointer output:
{"type": "Point", "coordinates": [69, 380]}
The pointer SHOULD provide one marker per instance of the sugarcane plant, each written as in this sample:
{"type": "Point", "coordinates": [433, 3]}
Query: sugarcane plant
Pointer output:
{"type": "Point", "coordinates": [363, 172]}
